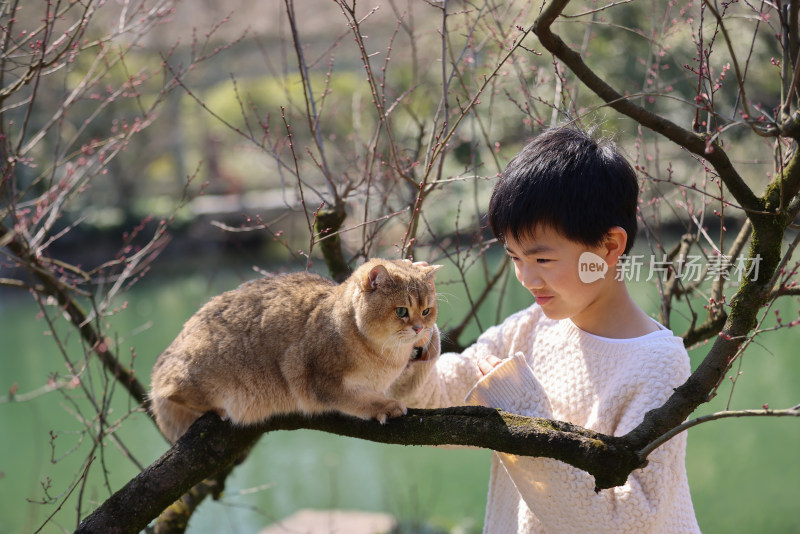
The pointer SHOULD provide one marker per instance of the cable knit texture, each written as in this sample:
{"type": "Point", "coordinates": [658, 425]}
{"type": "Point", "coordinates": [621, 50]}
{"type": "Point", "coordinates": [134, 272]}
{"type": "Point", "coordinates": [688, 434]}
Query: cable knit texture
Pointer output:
{"type": "Point", "coordinates": [553, 369]}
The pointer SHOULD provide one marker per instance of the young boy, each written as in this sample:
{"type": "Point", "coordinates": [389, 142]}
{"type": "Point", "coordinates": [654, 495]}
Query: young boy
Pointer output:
{"type": "Point", "coordinates": [583, 353]}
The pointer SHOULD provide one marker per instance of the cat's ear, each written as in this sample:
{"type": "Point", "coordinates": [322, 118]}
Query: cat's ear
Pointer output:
{"type": "Point", "coordinates": [376, 276]}
{"type": "Point", "coordinates": [431, 270]}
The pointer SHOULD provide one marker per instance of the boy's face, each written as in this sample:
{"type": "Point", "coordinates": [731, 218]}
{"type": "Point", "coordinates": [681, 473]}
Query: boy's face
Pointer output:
{"type": "Point", "coordinates": [549, 266]}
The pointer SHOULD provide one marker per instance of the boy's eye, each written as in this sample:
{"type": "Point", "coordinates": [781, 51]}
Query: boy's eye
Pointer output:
{"type": "Point", "coordinates": [543, 260]}
{"type": "Point", "coordinates": [401, 312]}
{"type": "Point", "coordinates": [425, 312]}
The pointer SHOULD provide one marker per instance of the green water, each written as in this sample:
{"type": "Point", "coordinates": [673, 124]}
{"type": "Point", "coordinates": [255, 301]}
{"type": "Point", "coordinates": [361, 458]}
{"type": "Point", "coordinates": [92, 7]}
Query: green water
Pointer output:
{"type": "Point", "coordinates": [744, 474]}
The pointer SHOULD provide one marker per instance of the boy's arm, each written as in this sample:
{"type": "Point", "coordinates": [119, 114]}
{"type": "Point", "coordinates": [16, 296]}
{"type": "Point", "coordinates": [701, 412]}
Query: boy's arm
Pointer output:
{"type": "Point", "coordinates": [654, 499]}
{"type": "Point", "coordinates": [443, 381]}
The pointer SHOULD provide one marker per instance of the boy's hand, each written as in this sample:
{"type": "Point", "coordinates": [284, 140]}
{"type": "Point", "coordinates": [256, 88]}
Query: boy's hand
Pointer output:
{"type": "Point", "coordinates": [486, 365]}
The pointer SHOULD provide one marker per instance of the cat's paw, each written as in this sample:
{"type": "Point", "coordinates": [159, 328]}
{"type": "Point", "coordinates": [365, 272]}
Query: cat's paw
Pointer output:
{"type": "Point", "coordinates": [386, 409]}
{"type": "Point", "coordinates": [429, 350]}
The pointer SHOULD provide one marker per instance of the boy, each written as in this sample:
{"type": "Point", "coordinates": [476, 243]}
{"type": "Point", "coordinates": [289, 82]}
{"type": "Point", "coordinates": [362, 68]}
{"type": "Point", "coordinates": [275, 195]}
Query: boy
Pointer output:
{"type": "Point", "coordinates": [583, 353]}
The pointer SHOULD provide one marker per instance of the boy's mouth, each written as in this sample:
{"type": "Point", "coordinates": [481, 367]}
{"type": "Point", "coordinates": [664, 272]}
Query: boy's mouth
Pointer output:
{"type": "Point", "coordinates": [542, 299]}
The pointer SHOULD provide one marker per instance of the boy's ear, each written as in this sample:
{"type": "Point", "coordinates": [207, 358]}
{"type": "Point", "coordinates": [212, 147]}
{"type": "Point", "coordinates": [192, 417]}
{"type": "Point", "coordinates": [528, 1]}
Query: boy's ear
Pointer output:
{"type": "Point", "coordinates": [614, 244]}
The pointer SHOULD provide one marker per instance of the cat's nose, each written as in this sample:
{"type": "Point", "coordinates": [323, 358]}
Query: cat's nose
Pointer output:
{"type": "Point", "coordinates": [417, 328]}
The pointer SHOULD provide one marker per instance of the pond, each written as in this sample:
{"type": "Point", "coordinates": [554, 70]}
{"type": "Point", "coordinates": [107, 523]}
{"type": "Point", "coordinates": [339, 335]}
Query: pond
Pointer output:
{"type": "Point", "coordinates": [744, 474]}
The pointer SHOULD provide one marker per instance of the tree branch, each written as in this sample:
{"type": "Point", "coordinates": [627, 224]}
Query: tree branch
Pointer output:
{"type": "Point", "coordinates": [51, 286]}
{"type": "Point", "coordinates": [211, 445]}
{"type": "Point", "coordinates": [683, 137]}
{"type": "Point", "coordinates": [789, 412]}
{"type": "Point", "coordinates": [175, 518]}
{"type": "Point", "coordinates": [327, 225]}
{"type": "Point", "coordinates": [768, 231]}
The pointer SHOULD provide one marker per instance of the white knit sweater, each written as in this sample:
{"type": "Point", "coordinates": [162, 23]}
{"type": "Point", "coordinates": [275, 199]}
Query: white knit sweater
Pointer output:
{"type": "Point", "coordinates": [553, 369]}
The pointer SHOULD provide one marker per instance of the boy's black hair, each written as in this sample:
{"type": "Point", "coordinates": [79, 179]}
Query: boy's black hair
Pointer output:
{"type": "Point", "coordinates": [566, 180]}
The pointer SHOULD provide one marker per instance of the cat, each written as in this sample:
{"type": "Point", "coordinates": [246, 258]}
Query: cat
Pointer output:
{"type": "Point", "coordinates": [299, 343]}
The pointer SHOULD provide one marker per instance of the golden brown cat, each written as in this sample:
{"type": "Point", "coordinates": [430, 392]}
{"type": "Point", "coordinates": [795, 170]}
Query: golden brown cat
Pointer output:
{"type": "Point", "coordinates": [299, 343]}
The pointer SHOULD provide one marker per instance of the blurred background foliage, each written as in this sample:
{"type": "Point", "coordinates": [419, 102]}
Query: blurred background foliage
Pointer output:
{"type": "Point", "coordinates": [211, 91]}
{"type": "Point", "coordinates": [227, 122]}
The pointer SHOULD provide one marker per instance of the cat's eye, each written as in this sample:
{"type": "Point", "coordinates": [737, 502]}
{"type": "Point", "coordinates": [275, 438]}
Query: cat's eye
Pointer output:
{"type": "Point", "coordinates": [425, 312]}
{"type": "Point", "coordinates": [401, 312]}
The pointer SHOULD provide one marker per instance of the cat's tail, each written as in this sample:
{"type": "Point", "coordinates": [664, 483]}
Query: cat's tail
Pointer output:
{"type": "Point", "coordinates": [172, 418]}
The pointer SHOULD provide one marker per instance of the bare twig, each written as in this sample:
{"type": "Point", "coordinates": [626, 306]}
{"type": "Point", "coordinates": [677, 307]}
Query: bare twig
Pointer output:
{"type": "Point", "coordinates": [766, 412]}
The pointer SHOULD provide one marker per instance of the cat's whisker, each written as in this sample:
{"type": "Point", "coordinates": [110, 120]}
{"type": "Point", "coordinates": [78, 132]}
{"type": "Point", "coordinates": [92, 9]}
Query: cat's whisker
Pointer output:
{"type": "Point", "coordinates": [440, 297]}
{"type": "Point", "coordinates": [443, 336]}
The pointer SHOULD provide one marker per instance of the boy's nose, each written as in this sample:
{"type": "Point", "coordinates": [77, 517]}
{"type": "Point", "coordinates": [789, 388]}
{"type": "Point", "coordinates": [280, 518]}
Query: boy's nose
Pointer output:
{"type": "Point", "coordinates": [536, 283]}
{"type": "Point", "coordinates": [531, 280]}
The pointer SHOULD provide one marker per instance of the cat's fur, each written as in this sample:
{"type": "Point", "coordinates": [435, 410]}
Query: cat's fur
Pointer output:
{"type": "Point", "coordinates": [299, 343]}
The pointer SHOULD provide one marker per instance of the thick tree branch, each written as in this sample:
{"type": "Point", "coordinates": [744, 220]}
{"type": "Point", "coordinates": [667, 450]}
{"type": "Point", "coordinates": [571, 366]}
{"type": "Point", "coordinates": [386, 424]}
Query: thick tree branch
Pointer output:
{"type": "Point", "coordinates": [689, 140]}
{"type": "Point", "coordinates": [705, 330]}
{"type": "Point", "coordinates": [212, 445]}
{"type": "Point", "coordinates": [327, 225]}
{"type": "Point", "coordinates": [175, 518]}
{"type": "Point", "coordinates": [784, 187]}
